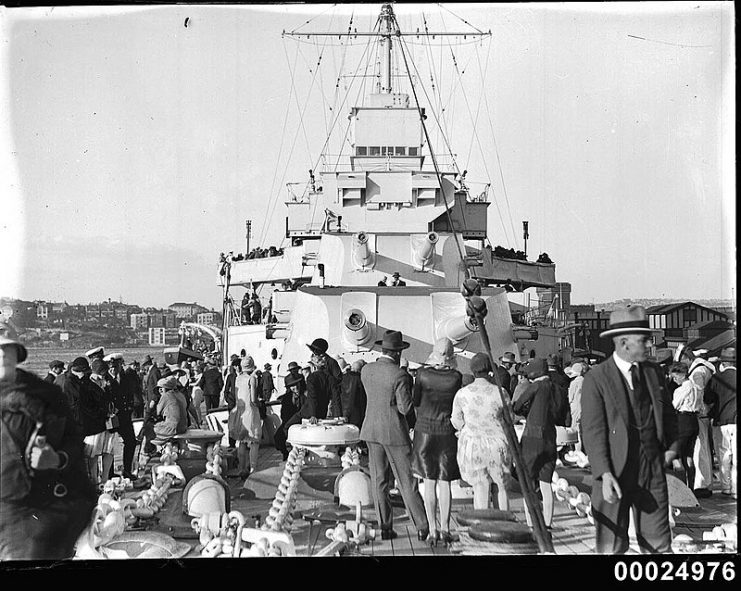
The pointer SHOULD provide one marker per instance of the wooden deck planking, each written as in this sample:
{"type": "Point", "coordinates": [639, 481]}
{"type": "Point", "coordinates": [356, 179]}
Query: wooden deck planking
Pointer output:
{"type": "Point", "coordinates": [571, 534]}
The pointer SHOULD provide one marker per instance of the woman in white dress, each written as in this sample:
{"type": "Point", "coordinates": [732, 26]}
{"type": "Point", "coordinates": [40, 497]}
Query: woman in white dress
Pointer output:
{"type": "Point", "coordinates": [245, 425]}
{"type": "Point", "coordinates": [483, 455]}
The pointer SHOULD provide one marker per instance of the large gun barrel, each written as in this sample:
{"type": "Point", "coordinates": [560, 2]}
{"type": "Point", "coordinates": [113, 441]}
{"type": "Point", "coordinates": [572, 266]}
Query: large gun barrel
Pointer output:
{"type": "Point", "coordinates": [425, 251]}
{"type": "Point", "coordinates": [357, 332]}
{"type": "Point", "coordinates": [362, 253]}
{"type": "Point", "coordinates": [457, 328]}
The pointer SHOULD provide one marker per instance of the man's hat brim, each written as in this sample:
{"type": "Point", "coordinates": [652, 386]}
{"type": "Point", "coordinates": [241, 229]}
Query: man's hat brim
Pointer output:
{"type": "Point", "coordinates": [613, 332]}
{"type": "Point", "coordinates": [291, 380]}
{"type": "Point", "coordinates": [393, 347]}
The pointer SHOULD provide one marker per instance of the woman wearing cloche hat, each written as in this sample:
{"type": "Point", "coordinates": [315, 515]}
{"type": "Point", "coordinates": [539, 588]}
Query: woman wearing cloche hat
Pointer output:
{"type": "Point", "coordinates": [435, 443]}
{"type": "Point", "coordinates": [245, 425]}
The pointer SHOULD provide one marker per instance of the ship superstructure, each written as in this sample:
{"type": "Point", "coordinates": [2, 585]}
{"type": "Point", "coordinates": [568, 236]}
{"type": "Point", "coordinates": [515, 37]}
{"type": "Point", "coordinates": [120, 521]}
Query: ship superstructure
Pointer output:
{"type": "Point", "coordinates": [388, 205]}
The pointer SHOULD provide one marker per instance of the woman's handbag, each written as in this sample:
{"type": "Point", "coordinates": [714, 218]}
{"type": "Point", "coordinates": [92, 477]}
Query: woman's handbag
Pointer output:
{"type": "Point", "coordinates": [112, 423]}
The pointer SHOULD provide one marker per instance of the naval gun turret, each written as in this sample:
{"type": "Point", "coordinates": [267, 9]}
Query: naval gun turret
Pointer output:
{"type": "Point", "coordinates": [457, 328]}
{"type": "Point", "coordinates": [424, 251]}
{"type": "Point", "coordinates": [363, 256]}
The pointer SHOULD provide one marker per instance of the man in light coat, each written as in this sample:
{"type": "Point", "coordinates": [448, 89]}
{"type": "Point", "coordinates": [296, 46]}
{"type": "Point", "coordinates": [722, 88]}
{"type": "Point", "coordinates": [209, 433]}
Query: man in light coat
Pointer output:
{"type": "Point", "coordinates": [720, 396]}
{"type": "Point", "coordinates": [386, 432]}
{"type": "Point", "coordinates": [701, 371]}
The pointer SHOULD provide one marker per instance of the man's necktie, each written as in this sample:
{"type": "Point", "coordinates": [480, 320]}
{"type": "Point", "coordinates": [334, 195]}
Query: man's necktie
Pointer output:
{"type": "Point", "coordinates": [638, 393]}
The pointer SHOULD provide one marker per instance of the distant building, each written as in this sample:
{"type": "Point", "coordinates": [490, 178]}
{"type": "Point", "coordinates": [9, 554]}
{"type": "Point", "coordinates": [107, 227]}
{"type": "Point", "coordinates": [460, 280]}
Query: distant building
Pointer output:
{"type": "Point", "coordinates": [139, 321]}
{"type": "Point", "coordinates": [42, 310]}
{"type": "Point", "coordinates": [163, 337]}
{"type": "Point", "coordinates": [156, 320]}
{"type": "Point", "coordinates": [169, 320]}
{"type": "Point", "coordinates": [208, 318]}
{"type": "Point", "coordinates": [58, 308]}
{"type": "Point", "coordinates": [674, 319]}
{"type": "Point", "coordinates": [183, 310]}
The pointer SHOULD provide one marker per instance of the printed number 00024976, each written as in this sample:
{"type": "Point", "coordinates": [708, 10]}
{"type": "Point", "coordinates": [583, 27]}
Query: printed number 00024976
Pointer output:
{"type": "Point", "coordinates": [694, 570]}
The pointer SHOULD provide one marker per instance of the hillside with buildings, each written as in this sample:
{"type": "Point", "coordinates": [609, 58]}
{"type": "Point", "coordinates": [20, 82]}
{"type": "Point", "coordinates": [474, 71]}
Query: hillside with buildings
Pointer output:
{"type": "Point", "coordinates": [53, 324]}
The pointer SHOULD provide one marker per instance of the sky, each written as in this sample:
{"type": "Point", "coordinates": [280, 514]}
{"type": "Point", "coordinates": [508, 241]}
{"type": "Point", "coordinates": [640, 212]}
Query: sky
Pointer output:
{"type": "Point", "coordinates": [133, 147]}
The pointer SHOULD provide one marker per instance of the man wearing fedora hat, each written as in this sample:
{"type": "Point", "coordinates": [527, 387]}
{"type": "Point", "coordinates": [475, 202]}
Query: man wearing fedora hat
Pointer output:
{"type": "Point", "coordinates": [630, 434]}
{"type": "Point", "coordinates": [46, 498]}
{"type": "Point", "coordinates": [290, 403]}
{"type": "Point", "coordinates": [386, 432]}
{"type": "Point", "coordinates": [720, 396]}
{"type": "Point", "coordinates": [398, 281]}
{"type": "Point", "coordinates": [506, 362]}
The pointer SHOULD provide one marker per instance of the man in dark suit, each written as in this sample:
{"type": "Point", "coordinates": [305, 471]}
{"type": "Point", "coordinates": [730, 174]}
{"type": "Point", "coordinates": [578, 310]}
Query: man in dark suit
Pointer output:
{"type": "Point", "coordinates": [212, 382]}
{"type": "Point", "coordinates": [386, 432]}
{"type": "Point", "coordinates": [123, 387]}
{"type": "Point", "coordinates": [508, 361]}
{"type": "Point", "coordinates": [353, 395]}
{"type": "Point", "coordinates": [398, 281]}
{"type": "Point", "coordinates": [134, 385]}
{"type": "Point", "coordinates": [630, 433]}
{"type": "Point", "coordinates": [151, 393]}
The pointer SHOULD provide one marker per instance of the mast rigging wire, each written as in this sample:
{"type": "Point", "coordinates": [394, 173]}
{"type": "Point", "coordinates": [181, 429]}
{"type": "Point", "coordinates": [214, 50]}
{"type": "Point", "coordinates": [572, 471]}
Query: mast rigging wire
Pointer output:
{"type": "Point", "coordinates": [274, 197]}
{"type": "Point", "coordinates": [496, 151]}
{"type": "Point", "coordinates": [274, 202]}
{"type": "Point", "coordinates": [476, 137]}
{"type": "Point", "coordinates": [314, 17]}
{"type": "Point", "coordinates": [466, 272]}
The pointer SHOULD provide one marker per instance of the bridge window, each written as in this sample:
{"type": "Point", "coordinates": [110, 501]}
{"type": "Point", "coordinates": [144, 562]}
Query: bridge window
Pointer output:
{"type": "Point", "coordinates": [374, 151]}
{"type": "Point", "coordinates": [413, 151]}
{"type": "Point", "coordinates": [401, 151]}
{"type": "Point", "coordinates": [361, 151]}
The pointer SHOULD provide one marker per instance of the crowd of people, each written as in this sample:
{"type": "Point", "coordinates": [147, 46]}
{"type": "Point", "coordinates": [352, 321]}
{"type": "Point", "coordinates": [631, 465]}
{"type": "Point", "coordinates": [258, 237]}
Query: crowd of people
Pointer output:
{"type": "Point", "coordinates": [426, 426]}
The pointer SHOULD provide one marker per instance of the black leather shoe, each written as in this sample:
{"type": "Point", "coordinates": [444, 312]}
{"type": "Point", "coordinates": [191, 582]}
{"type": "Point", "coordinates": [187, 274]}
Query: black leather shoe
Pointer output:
{"type": "Point", "coordinates": [702, 493]}
{"type": "Point", "coordinates": [423, 533]}
{"type": "Point", "coordinates": [388, 534]}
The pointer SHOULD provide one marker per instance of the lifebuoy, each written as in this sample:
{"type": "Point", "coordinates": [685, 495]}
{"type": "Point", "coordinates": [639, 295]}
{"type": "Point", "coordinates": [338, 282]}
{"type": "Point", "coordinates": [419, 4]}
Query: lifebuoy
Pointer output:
{"type": "Point", "coordinates": [475, 516]}
{"type": "Point", "coordinates": [501, 531]}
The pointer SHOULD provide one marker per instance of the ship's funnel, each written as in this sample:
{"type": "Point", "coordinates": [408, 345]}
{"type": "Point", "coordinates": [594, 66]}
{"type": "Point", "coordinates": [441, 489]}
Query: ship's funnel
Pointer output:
{"type": "Point", "coordinates": [457, 328]}
{"type": "Point", "coordinates": [424, 251]}
{"type": "Point", "coordinates": [362, 255]}
{"type": "Point", "coordinates": [357, 331]}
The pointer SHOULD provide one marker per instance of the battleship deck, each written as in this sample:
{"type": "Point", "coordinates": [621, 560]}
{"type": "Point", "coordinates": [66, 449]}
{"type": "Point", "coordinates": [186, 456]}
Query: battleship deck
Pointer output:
{"type": "Point", "coordinates": [571, 534]}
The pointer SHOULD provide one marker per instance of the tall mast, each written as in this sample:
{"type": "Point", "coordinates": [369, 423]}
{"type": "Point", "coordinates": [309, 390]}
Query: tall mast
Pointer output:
{"type": "Point", "coordinates": [388, 27]}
